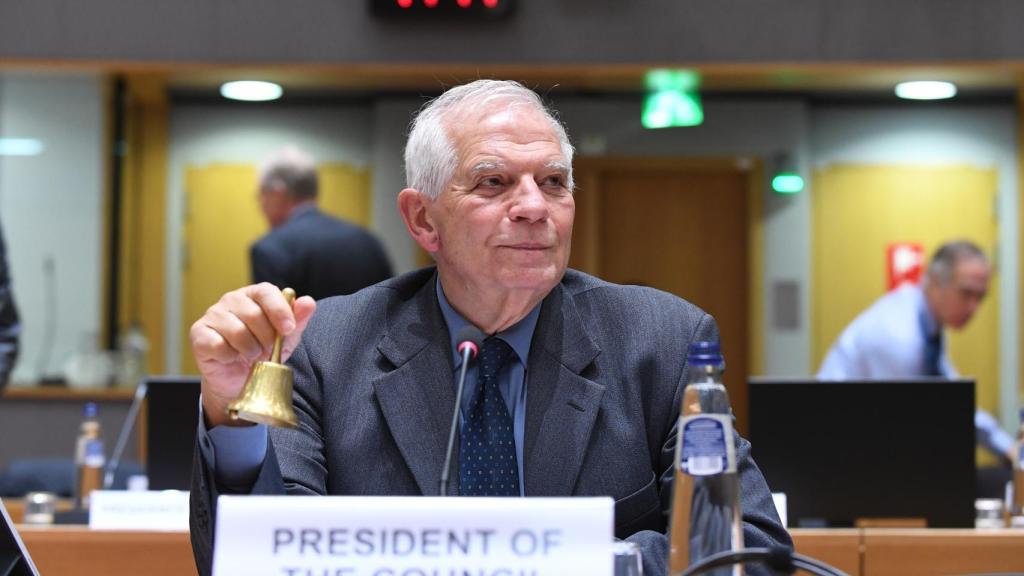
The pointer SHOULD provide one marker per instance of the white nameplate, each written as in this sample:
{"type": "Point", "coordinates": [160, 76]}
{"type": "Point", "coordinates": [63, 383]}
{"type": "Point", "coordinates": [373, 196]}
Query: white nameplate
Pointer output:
{"type": "Point", "coordinates": [153, 510]}
{"type": "Point", "coordinates": [413, 536]}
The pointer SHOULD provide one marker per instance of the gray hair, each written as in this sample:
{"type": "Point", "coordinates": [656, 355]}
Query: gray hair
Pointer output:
{"type": "Point", "coordinates": [291, 169]}
{"type": "Point", "coordinates": [946, 258]}
{"type": "Point", "coordinates": [430, 156]}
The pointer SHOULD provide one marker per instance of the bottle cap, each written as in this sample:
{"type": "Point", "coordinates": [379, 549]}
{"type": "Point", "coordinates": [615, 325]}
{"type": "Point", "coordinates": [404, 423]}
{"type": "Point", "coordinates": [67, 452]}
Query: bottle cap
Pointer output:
{"type": "Point", "coordinates": [705, 354]}
{"type": "Point", "coordinates": [91, 410]}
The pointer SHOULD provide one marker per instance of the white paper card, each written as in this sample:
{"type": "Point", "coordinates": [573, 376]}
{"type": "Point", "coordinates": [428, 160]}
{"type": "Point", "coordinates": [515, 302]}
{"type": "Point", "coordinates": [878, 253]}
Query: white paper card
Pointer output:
{"type": "Point", "coordinates": [138, 510]}
{"type": "Point", "coordinates": [414, 536]}
{"type": "Point", "coordinates": [779, 498]}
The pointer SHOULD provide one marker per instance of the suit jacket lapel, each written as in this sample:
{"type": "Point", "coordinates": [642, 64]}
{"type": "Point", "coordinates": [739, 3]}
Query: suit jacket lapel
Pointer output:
{"type": "Point", "coordinates": [416, 398]}
{"type": "Point", "coordinates": [561, 405]}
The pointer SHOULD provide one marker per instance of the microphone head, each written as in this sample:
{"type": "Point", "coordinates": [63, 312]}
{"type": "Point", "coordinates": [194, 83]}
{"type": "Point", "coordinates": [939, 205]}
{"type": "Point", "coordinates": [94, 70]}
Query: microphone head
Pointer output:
{"type": "Point", "coordinates": [469, 337]}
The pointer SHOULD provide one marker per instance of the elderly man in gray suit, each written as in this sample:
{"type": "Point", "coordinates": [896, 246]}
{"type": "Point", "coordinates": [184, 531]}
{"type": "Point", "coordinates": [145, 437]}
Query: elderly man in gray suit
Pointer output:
{"type": "Point", "coordinates": [583, 377]}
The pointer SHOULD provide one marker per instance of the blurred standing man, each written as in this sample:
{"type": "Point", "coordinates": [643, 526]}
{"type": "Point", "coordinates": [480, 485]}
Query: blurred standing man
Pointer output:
{"type": "Point", "coordinates": [582, 379]}
{"type": "Point", "coordinates": [316, 254]}
{"type": "Point", "coordinates": [900, 335]}
{"type": "Point", "coordinates": [10, 326]}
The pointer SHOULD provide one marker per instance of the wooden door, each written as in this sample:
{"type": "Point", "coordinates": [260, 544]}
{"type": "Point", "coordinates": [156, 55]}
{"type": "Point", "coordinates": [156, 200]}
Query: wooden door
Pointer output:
{"type": "Point", "coordinates": [679, 227]}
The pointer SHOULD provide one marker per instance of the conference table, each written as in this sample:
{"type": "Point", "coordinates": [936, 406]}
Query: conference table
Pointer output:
{"type": "Point", "coordinates": [76, 550]}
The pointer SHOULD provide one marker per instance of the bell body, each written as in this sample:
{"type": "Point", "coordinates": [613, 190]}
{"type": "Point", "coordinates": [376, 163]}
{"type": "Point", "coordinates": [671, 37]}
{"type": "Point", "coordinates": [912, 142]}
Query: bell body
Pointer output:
{"type": "Point", "coordinates": [267, 397]}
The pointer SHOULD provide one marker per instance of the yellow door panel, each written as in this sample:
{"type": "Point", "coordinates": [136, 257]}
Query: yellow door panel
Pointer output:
{"type": "Point", "coordinates": [222, 219]}
{"type": "Point", "coordinates": [345, 192]}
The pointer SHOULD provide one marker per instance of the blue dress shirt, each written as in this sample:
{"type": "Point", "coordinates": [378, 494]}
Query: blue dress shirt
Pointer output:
{"type": "Point", "coordinates": [511, 380]}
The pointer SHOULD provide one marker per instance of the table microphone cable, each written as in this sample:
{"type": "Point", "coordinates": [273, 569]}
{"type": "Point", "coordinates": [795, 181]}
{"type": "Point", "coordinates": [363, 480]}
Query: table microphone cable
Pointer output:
{"type": "Point", "coordinates": [780, 559]}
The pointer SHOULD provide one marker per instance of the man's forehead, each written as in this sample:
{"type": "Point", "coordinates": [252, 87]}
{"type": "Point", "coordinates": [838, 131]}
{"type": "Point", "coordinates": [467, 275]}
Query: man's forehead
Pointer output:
{"type": "Point", "coordinates": [972, 273]}
{"type": "Point", "coordinates": [497, 116]}
{"type": "Point", "coordinates": [972, 266]}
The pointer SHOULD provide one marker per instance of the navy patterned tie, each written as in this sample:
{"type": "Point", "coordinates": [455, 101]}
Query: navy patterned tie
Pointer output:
{"type": "Point", "coordinates": [933, 354]}
{"type": "Point", "coordinates": [487, 453]}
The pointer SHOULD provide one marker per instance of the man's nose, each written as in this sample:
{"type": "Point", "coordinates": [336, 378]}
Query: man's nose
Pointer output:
{"type": "Point", "coordinates": [529, 202]}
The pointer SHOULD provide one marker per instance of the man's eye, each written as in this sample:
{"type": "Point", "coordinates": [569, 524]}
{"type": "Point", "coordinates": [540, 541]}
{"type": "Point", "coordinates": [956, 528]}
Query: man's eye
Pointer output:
{"type": "Point", "coordinates": [490, 182]}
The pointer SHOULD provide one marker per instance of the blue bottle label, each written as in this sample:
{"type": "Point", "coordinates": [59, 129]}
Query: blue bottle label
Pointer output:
{"type": "Point", "coordinates": [706, 445]}
{"type": "Point", "coordinates": [94, 454]}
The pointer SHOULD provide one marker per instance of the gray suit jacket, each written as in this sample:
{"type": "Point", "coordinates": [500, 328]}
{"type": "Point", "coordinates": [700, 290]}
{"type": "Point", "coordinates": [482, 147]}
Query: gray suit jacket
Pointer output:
{"type": "Point", "coordinates": [374, 396]}
{"type": "Point", "coordinates": [319, 256]}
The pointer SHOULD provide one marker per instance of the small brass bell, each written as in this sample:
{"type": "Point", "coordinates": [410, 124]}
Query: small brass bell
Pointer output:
{"type": "Point", "coordinates": [267, 396]}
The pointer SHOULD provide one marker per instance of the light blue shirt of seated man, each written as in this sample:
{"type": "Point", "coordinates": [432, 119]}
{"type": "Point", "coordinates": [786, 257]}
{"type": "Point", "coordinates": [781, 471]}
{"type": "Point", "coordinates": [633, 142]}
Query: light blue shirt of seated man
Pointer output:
{"type": "Point", "coordinates": [236, 453]}
{"type": "Point", "coordinates": [890, 340]}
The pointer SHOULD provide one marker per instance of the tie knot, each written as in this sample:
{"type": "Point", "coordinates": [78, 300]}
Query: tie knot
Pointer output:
{"type": "Point", "coordinates": [494, 355]}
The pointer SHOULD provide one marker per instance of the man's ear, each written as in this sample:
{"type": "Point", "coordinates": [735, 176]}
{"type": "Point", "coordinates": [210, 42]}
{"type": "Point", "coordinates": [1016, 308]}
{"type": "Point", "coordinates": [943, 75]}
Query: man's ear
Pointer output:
{"type": "Point", "coordinates": [413, 207]}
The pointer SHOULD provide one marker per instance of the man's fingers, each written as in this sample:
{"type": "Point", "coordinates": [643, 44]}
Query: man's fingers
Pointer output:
{"type": "Point", "coordinates": [209, 344]}
{"type": "Point", "coordinates": [304, 309]}
{"type": "Point", "coordinates": [244, 323]}
{"type": "Point", "coordinates": [274, 306]}
{"type": "Point", "coordinates": [252, 316]}
{"type": "Point", "coordinates": [236, 332]}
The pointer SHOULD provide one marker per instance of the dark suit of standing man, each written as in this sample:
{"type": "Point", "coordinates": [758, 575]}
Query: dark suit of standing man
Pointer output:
{"type": "Point", "coordinates": [10, 327]}
{"type": "Point", "coordinates": [316, 254]}
{"type": "Point", "coordinates": [592, 387]}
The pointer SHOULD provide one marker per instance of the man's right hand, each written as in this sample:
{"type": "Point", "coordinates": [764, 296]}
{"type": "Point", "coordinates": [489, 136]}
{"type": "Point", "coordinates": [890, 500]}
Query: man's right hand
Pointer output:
{"type": "Point", "coordinates": [236, 332]}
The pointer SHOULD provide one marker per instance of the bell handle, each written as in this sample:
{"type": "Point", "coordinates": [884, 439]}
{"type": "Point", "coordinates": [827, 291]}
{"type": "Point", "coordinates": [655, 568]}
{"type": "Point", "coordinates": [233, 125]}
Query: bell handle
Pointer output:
{"type": "Point", "coordinates": [275, 357]}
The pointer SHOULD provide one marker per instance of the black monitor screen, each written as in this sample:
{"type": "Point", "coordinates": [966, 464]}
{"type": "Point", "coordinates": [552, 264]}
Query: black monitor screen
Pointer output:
{"type": "Point", "coordinates": [172, 412]}
{"type": "Point", "coordinates": [843, 451]}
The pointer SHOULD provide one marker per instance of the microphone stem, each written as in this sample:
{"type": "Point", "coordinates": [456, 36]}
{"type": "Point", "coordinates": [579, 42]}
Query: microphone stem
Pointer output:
{"type": "Point", "coordinates": [122, 439]}
{"type": "Point", "coordinates": [445, 471]}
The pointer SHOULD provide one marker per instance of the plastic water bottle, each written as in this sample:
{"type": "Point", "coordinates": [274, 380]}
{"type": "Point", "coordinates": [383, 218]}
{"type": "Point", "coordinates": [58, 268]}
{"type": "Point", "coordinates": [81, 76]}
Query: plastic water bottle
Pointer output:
{"type": "Point", "coordinates": [89, 458]}
{"type": "Point", "coordinates": [706, 517]}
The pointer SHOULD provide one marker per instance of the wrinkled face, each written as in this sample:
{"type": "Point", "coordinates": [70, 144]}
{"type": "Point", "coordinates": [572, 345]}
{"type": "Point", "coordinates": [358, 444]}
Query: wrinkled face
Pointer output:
{"type": "Point", "coordinates": [504, 222]}
{"type": "Point", "coordinates": [275, 203]}
{"type": "Point", "coordinates": [958, 300]}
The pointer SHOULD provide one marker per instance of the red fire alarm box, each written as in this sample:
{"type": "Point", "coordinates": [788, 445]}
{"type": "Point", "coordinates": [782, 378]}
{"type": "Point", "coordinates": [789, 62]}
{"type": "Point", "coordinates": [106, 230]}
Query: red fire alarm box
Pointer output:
{"type": "Point", "coordinates": [904, 264]}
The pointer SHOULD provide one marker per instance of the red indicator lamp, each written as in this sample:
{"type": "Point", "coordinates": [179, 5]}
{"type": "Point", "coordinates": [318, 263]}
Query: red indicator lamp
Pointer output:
{"type": "Point", "coordinates": [465, 10]}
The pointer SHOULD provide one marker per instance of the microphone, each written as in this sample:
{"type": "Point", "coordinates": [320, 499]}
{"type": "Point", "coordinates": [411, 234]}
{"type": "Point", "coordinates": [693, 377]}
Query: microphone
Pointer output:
{"type": "Point", "coordinates": [469, 339]}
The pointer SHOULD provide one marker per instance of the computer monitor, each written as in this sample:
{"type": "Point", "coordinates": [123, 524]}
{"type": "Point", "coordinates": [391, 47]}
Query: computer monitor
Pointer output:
{"type": "Point", "coordinates": [14, 558]}
{"type": "Point", "coordinates": [845, 451]}
{"type": "Point", "coordinates": [172, 412]}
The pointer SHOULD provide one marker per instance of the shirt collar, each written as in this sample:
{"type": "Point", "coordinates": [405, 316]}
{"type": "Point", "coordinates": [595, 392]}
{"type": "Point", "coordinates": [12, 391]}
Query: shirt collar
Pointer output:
{"type": "Point", "coordinates": [519, 336]}
{"type": "Point", "coordinates": [302, 209]}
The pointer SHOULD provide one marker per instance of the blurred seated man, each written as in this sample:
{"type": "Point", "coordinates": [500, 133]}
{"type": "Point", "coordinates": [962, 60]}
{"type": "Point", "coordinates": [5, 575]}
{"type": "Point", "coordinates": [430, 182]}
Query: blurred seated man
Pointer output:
{"type": "Point", "coordinates": [900, 335]}
{"type": "Point", "coordinates": [316, 254]}
{"type": "Point", "coordinates": [579, 401]}
{"type": "Point", "coordinates": [10, 327]}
